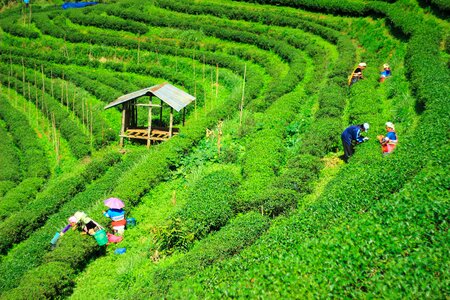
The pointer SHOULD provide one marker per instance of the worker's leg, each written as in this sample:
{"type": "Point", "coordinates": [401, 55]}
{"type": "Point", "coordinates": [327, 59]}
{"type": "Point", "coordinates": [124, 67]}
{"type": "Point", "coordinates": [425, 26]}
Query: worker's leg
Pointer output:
{"type": "Point", "coordinates": [348, 150]}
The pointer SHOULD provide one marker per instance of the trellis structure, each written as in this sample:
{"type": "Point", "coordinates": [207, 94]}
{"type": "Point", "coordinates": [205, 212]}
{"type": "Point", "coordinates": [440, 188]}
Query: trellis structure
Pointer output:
{"type": "Point", "coordinates": [168, 94]}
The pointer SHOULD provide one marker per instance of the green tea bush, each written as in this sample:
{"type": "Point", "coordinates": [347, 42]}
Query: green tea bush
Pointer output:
{"type": "Point", "coordinates": [33, 158]}
{"type": "Point", "coordinates": [10, 158]}
{"type": "Point", "coordinates": [327, 6]}
{"type": "Point", "coordinates": [37, 282]}
{"type": "Point", "coordinates": [23, 193]}
{"type": "Point", "coordinates": [14, 28]}
{"type": "Point", "coordinates": [239, 233]}
{"type": "Point", "coordinates": [134, 183]}
{"type": "Point", "coordinates": [24, 221]}
{"type": "Point", "coordinates": [30, 253]}
{"type": "Point", "coordinates": [5, 186]}
{"type": "Point", "coordinates": [207, 209]}
{"type": "Point", "coordinates": [78, 141]}
{"type": "Point", "coordinates": [92, 18]}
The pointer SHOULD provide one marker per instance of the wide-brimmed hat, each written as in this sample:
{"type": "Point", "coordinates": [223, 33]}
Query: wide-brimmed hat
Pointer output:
{"type": "Point", "coordinates": [390, 125]}
{"type": "Point", "coordinates": [363, 64]}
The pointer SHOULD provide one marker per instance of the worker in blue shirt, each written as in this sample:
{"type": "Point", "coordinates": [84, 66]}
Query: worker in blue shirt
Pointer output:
{"type": "Point", "coordinates": [351, 136]}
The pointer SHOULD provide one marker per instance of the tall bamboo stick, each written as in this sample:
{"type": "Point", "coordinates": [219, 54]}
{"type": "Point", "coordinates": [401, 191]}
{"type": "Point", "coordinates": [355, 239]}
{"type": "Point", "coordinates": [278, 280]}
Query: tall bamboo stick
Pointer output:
{"type": "Point", "coordinates": [242, 100]}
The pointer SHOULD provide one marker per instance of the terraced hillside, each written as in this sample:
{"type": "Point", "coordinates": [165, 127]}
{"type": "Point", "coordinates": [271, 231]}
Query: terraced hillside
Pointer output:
{"type": "Point", "coordinates": [251, 199]}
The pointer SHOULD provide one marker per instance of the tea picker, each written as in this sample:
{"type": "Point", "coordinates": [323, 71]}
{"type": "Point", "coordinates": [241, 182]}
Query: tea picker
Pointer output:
{"type": "Point", "coordinates": [351, 136]}
{"type": "Point", "coordinates": [357, 74]}
{"type": "Point", "coordinates": [116, 214]}
{"type": "Point", "coordinates": [89, 227]}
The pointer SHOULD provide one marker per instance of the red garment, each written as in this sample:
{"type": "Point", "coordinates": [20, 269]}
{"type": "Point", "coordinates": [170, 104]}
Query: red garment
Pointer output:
{"type": "Point", "coordinates": [114, 238]}
{"type": "Point", "coordinates": [119, 223]}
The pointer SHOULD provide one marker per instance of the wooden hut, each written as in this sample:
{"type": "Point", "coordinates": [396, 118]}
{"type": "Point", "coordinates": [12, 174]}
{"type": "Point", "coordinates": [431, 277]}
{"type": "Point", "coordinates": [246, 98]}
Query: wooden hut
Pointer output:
{"type": "Point", "coordinates": [169, 96]}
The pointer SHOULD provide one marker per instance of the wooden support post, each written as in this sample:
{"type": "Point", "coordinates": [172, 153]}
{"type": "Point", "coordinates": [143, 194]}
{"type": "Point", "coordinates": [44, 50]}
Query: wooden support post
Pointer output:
{"type": "Point", "coordinates": [171, 122]}
{"type": "Point", "coordinates": [122, 130]}
{"type": "Point", "coordinates": [184, 115]}
{"type": "Point", "coordinates": [160, 112]}
{"type": "Point", "coordinates": [149, 122]}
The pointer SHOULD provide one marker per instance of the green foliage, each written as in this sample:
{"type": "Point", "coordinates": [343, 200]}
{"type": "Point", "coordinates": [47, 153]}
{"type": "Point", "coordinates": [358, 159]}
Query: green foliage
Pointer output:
{"type": "Point", "coordinates": [5, 186]}
{"type": "Point", "coordinates": [20, 196]}
{"type": "Point", "coordinates": [18, 29]}
{"type": "Point", "coordinates": [24, 221]}
{"type": "Point", "coordinates": [207, 210]}
{"type": "Point", "coordinates": [241, 231]}
{"type": "Point", "coordinates": [91, 17]}
{"type": "Point", "coordinates": [33, 161]}
{"type": "Point", "coordinates": [30, 252]}
{"type": "Point", "coordinates": [9, 159]}
{"type": "Point", "coordinates": [39, 282]}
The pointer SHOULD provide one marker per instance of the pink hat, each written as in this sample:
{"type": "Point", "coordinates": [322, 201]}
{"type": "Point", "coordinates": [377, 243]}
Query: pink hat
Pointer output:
{"type": "Point", "coordinates": [73, 219]}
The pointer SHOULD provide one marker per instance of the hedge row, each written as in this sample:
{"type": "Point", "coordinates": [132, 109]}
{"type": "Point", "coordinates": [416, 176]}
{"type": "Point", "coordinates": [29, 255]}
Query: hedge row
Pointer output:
{"type": "Point", "coordinates": [5, 186]}
{"type": "Point", "coordinates": [23, 222]}
{"type": "Point", "coordinates": [208, 208]}
{"type": "Point", "coordinates": [91, 17]}
{"type": "Point", "coordinates": [345, 7]}
{"type": "Point", "coordinates": [238, 234]}
{"type": "Point", "coordinates": [135, 183]}
{"type": "Point", "coordinates": [18, 197]}
{"type": "Point", "coordinates": [309, 243]}
{"type": "Point", "coordinates": [9, 159]}
{"type": "Point", "coordinates": [267, 16]}
{"type": "Point", "coordinates": [33, 158]}
{"type": "Point", "coordinates": [78, 141]}
{"type": "Point", "coordinates": [13, 27]}
{"type": "Point", "coordinates": [34, 251]}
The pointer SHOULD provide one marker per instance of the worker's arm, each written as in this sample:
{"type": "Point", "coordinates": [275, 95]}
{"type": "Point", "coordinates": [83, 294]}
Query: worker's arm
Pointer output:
{"type": "Point", "coordinates": [65, 229]}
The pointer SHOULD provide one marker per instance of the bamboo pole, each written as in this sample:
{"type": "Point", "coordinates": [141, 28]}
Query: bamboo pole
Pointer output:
{"type": "Point", "coordinates": [241, 108]}
{"type": "Point", "coordinates": [212, 89]}
{"type": "Point", "coordinates": [36, 93]}
{"type": "Point", "coordinates": [62, 90]}
{"type": "Point", "coordinates": [23, 77]}
{"type": "Point", "coordinates": [82, 111]}
{"type": "Point", "coordinates": [43, 91]}
{"type": "Point", "coordinates": [195, 88]}
{"type": "Point", "coordinates": [74, 95]}
{"type": "Point", "coordinates": [51, 83]}
{"type": "Point", "coordinates": [174, 198]}
{"type": "Point", "coordinates": [219, 136]}
{"type": "Point", "coordinates": [139, 47]}
{"type": "Point", "coordinates": [67, 96]}
{"type": "Point", "coordinates": [92, 126]}
{"type": "Point", "coordinates": [217, 80]}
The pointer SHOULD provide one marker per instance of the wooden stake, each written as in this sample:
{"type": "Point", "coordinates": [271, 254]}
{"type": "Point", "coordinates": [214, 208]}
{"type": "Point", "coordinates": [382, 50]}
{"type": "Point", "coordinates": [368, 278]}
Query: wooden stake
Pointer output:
{"type": "Point", "coordinates": [82, 111]}
{"type": "Point", "coordinates": [67, 95]}
{"type": "Point", "coordinates": [195, 88]}
{"type": "Point", "coordinates": [242, 100]}
{"type": "Point", "coordinates": [62, 89]}
{"type": "Point", "coordinates": [73, 100]}
{"type": "Point", "coordinates": [219, 136]}
{"type": "Point", "coordinates": [91, 127]}
{"type": "Point", "coordinates": [23, 78]}
{"type": "Point", "coordinates": [217, 80]}
{"type": "Point", "coordinates": [51, 83]}
{"type": "Point", "coordinates": [174, 198]}
{"type": "Point", "coordinates": [139, 47]}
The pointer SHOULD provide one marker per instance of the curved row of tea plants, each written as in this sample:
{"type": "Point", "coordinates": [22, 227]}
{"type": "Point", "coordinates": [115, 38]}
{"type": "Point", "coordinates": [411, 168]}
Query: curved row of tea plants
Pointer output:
{"type": "Point", "coordinates": [353, 194]}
